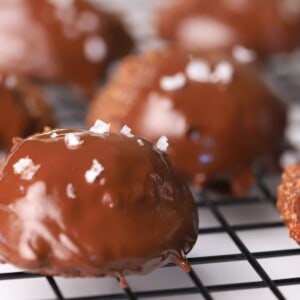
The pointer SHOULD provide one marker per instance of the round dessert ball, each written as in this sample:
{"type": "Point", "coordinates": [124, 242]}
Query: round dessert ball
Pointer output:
{"type": "Point", "coordinates": [23, 109]}
{"type": "Point", "coordinates": [93, 203]}
{"type": "Point", "coordinates": [220, 118]}
{"type": "Point", "coordinates": [268, 26]}
{"type": "Point", "coordinates": [60, 40]}
{"type": "Point", "coordinates": [288, 200]}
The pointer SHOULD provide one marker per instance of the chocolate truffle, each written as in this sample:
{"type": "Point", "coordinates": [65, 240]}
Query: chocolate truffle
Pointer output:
{"type": "Point", "coordinates": [60, 40]}
{"type": "Point", "coordinates": [220, 118]}
{"type": "Point", "coordinates": [93, 203]}
{"type": "Point", "coordinates": [288, 200]}
{"type": "Point", "coordinates": [23, 109]}
{"type": "Point", "coordinates": [268, 26]}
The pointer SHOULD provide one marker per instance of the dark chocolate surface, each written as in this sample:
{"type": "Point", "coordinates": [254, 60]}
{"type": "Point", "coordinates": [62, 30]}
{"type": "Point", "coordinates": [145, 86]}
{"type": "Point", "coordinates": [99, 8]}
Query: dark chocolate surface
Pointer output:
{"type": "Point", "coordinates": [132, 216]}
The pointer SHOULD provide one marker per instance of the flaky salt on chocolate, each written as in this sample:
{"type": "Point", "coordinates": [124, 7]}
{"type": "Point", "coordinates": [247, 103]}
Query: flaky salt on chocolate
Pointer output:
{"type": "Point", "coordinates": [162, 144]}
{"type": "Point", "coordinates": [100, 127]}
{"type": "Point", "coordinates": [126, 131]}
{"type": "Point", "coordinates": [243, 55]}
{"type": "Point", "coordinates": [72, 140]}
{"type": "Point", "coordinates": [200, 71]}
{"type": "Point", "coordinates": [173, 83]}
{"type": "Point", "coordinates": [95, 170]}
{"type": "Point", "coordinates": [79, 203]}
{"type": "Point", "coordinates": [26, 168]}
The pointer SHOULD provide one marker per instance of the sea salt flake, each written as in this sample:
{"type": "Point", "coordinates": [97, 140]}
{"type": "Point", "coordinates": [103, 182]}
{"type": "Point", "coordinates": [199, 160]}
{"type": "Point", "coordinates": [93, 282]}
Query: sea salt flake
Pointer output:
{"type": "Point", "coordinates": [162, 144]}
{"type": "Point", "coordinates": [26, 168]}
{"type": "Point", "coordinates": [140, 142]}
{"type": "Point", "coordinates": [126, 131]}
{"type": "Point", "coordinates": [95, 170]}
{"type": "Point", "coordinates": [198, 70]}
{"type": "Point", "coordinates": [95, 49]}
{"type": "Point", "coordinates": [100, 127]}
{"type": "Point", "coordinates": [53, 135]}
{"type": "Point", "coordinates": [243, 55]}
{"type": "Point", "coordinates": [70, 191]}
{"type": "Point", "coordinates": [223, 73]}
{"type": "Point", "coordinates": [73, 140]}
{"type": "Point", "coordinates": [173, 83]}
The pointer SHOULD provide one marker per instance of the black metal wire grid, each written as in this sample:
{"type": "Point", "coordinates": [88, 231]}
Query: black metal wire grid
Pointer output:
{"type": "Point", "coordinates": [198, 288]}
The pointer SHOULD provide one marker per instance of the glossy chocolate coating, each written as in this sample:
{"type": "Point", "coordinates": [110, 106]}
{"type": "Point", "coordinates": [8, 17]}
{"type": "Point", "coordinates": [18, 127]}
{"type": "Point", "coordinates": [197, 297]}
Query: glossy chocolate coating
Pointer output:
{"type": "Point", "coordinates": [288, 200]}
{"type": "Point", "coordinates": [217, 131]}
{"type": "Point", "coordinates": [23, 109]}
{"type": "Point", "coordinates": [268, 26]}
{"type": "Point", "coordinates": [59, 40]}
{"type": "Point", "coordinates": [134, 216]}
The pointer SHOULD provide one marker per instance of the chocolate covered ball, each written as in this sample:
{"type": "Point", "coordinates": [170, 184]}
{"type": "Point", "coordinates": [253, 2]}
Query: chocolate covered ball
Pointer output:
{"type": "Point", "coordinates": [268, 26]}
{"type": "Point", "coordinates": [93, 203]}
{"type": "Point", "coordinates": [23, 109]}
{"type": "Point", "coordinates": [60, 40]}
{"type": "Point", "coordinates": [219, 116]}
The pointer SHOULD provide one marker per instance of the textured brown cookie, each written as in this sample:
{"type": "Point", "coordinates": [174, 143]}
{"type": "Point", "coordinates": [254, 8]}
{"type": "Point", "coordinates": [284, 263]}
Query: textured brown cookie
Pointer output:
{"type": "Point", "coordinates": [288, 200]}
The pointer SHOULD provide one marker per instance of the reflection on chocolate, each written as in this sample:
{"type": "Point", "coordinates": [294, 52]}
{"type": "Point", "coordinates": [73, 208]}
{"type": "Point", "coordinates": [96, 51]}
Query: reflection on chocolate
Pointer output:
{"type": "Point", "coordinates": [59, 40]}
{"type": "Point", "coordinates": [218, 115]}
{"type": "Point", "coordinates": [82, 203]}
{"type": "Point", "coordinates": [268, 26]}
{"type": "Point", "coordinates": [23, 109]}
{"type": "Point", "coordinates": [288, 200]}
